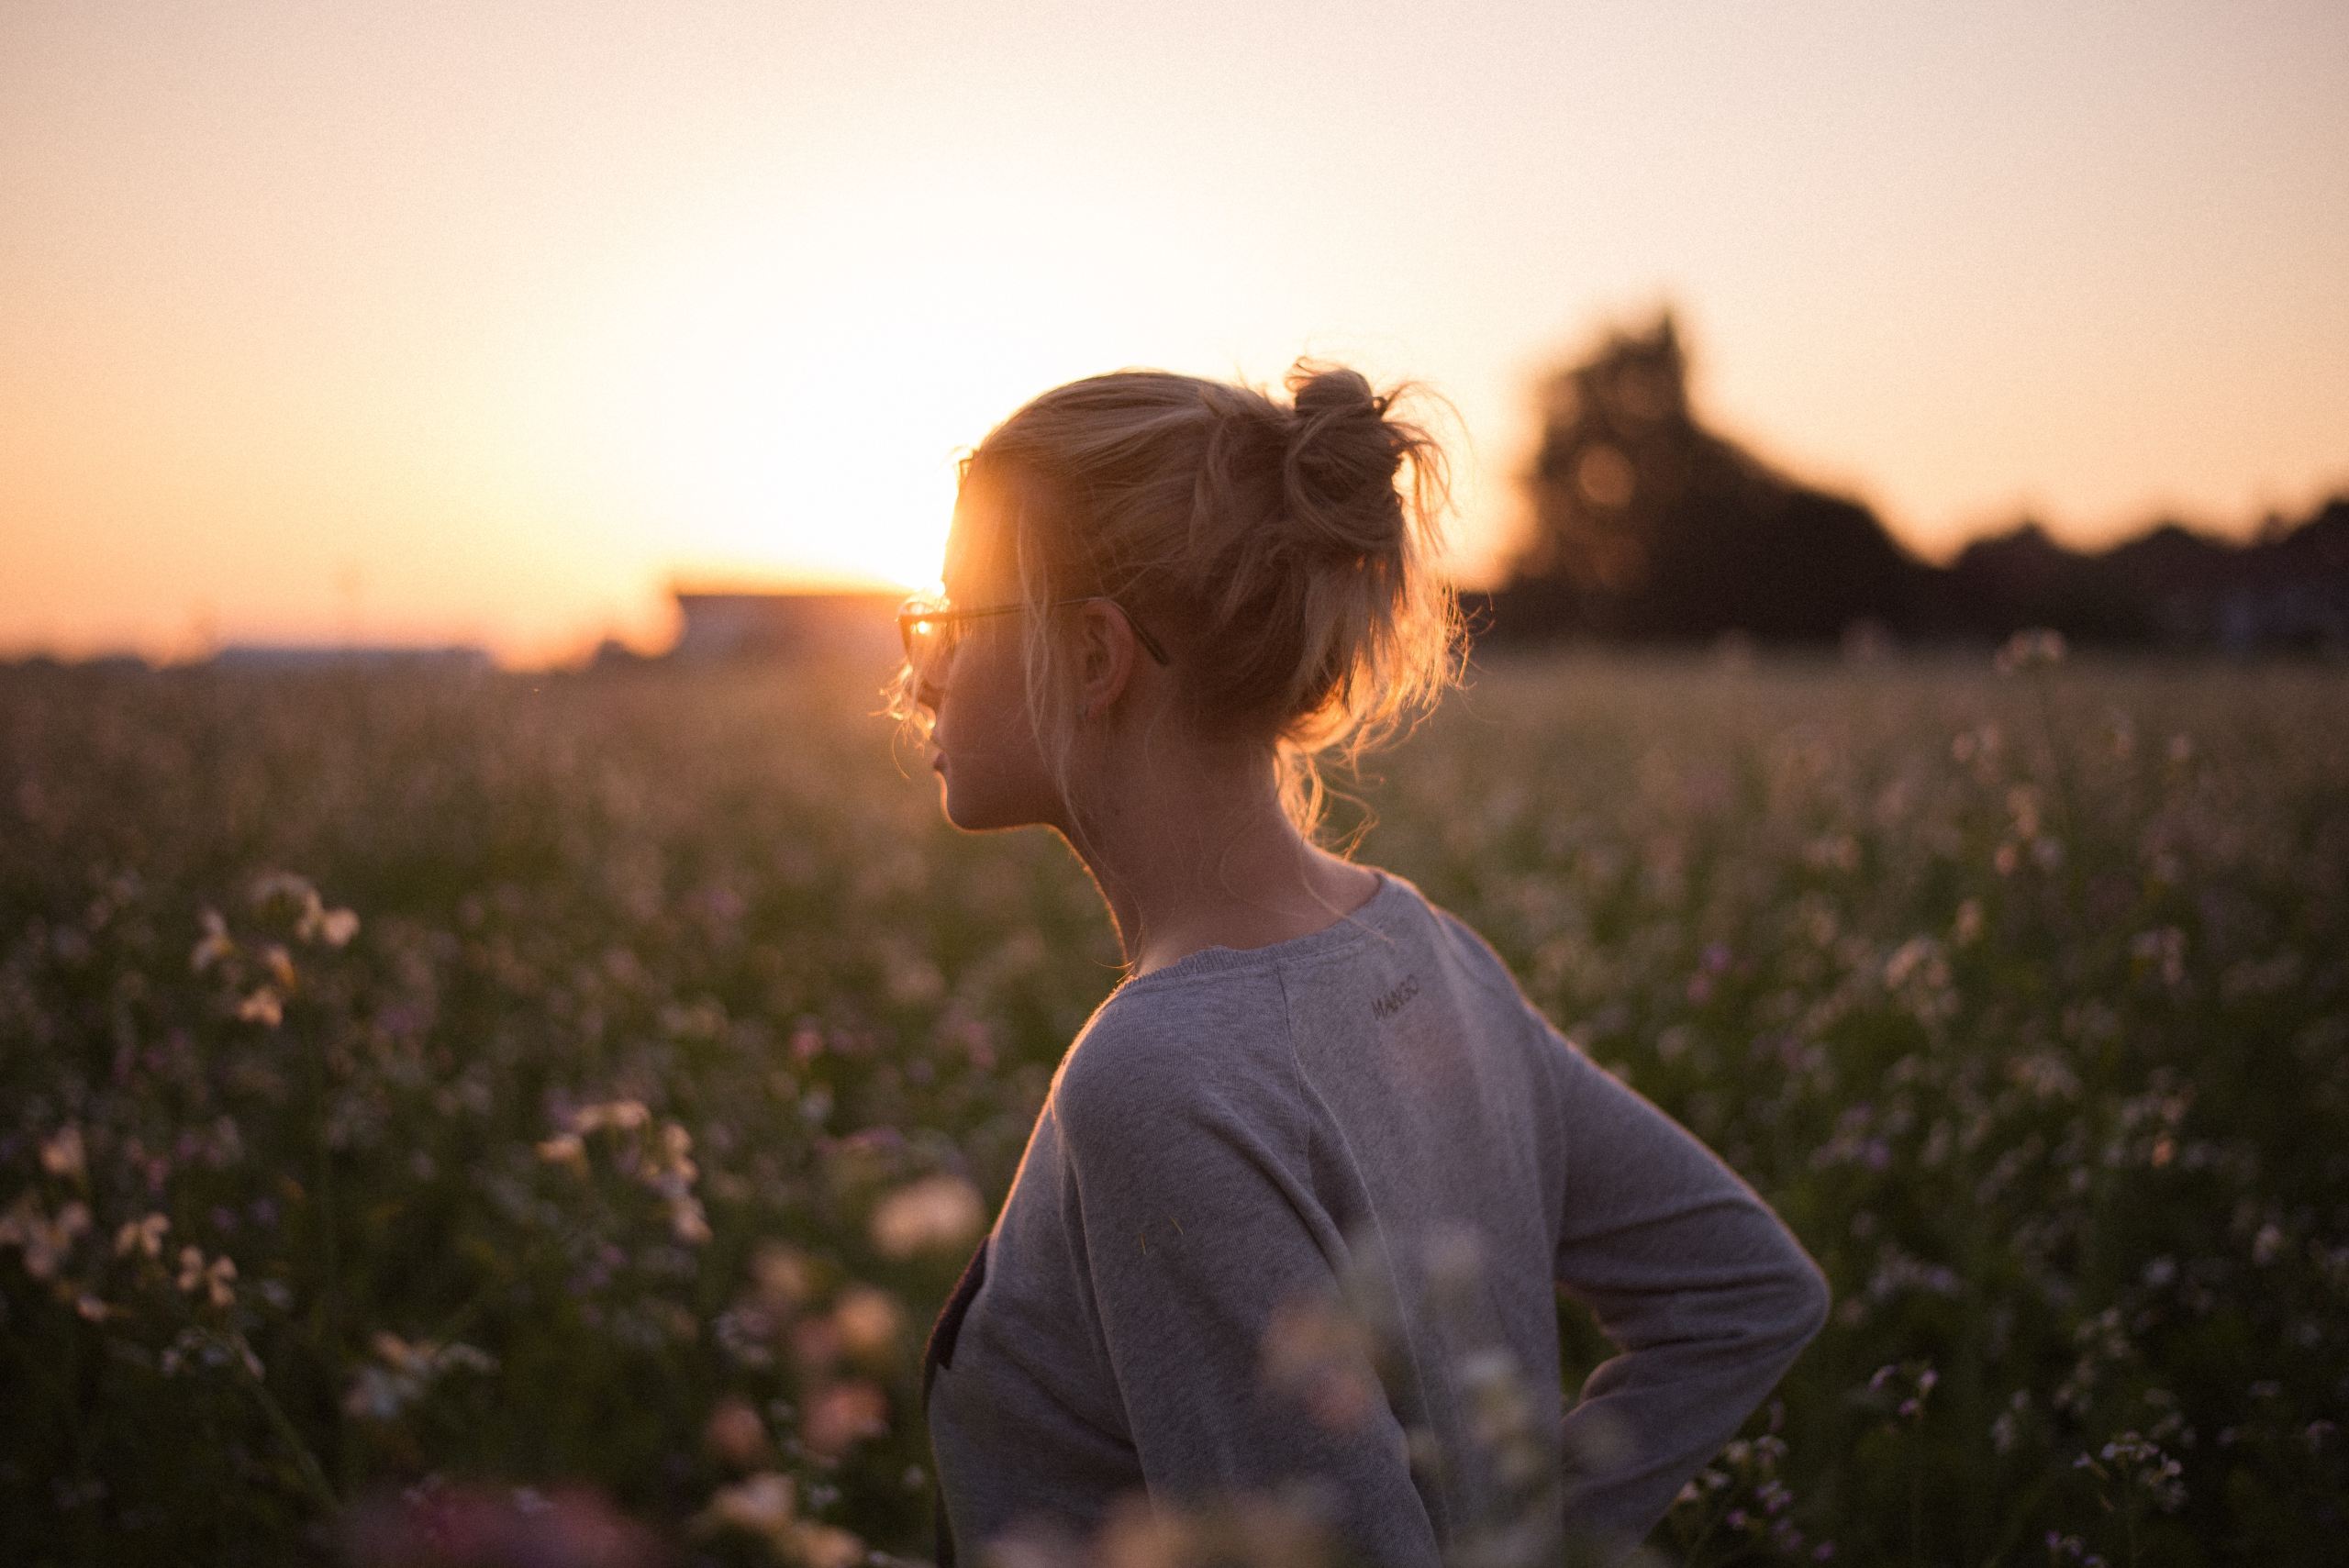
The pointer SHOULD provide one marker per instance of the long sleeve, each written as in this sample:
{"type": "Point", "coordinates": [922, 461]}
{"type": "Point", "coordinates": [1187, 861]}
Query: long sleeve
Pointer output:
{"type": "Point", "coordinates": [1706, 1293]}
{"type": "Point", "coordinates": [1191, 1207]}
{"type": "Point", "coordinates": [1370, 1120]}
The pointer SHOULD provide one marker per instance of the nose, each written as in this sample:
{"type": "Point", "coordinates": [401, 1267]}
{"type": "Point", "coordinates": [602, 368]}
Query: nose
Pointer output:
{"type": "Point", "coordinates": [933, 663]}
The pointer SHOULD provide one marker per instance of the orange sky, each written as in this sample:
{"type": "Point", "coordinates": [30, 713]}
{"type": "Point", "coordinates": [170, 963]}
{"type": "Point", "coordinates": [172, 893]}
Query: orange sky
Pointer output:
{"type": "Point", "coordinates": [475, 321]}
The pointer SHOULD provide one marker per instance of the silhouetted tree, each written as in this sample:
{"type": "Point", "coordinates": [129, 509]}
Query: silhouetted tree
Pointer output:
{"type": "Point", "coordinates": [2023, 578]}
{"type": "Point", "coordinates": [1649, 527]}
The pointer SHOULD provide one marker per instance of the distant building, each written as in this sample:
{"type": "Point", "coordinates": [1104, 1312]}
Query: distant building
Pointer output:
{"type": "Point", "coordinates": [724, 624]}
{"type": "Point", "coordinates": [611, 653]}
{"type": "Point", "coordinates": [113, 663]}
{"type": "Point", "coordinates": [452, 657]}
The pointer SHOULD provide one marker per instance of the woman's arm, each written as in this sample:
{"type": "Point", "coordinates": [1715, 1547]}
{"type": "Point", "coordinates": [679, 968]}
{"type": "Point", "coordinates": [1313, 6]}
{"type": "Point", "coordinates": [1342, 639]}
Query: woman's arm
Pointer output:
{"type": "Point", "coordinates": [1190, 1207]}
{"type": "Point", "coordinates": [1707, 1294]}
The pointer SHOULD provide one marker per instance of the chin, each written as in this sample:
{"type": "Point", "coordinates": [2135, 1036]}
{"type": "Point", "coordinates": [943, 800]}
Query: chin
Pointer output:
{"type": "Point", "coordinates": [962, 810]}
{"type": "Point", "coordinates": [973, 812]}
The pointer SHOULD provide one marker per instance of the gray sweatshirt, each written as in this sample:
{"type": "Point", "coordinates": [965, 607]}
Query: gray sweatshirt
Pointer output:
{"type": "Point", "coordinates": [1297, 1218]}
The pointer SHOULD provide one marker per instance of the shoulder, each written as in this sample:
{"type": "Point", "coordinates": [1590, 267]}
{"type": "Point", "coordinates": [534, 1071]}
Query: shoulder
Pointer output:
{"type": "Point", "coordinates": [1474, 958]}
{"type": "Point", "coordinates": [1487, 997]}
{"type": "Point", "coordinates": [1455, 933]}
{"type": "Point", "coordinates": [1165, 1061]}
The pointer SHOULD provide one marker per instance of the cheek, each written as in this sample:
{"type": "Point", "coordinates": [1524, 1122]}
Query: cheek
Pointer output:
{"type": "Point", "coordinates": [994, 672]}
{"type": "Point", "coordinates": [979, 707]}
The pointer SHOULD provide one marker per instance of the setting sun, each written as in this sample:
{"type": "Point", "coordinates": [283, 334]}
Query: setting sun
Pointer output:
{"type": "Point", "coordinates": [345, 325]}
{"type": "Point", "coordinates": [778, 403]}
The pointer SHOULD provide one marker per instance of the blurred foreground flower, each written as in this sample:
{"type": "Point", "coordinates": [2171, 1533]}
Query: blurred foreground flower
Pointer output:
{"type": "Point", "coordinates": [934, 1213]}
{"type": "Point", "coordinates": [659, 1156]}
{"type": "Point", "coordinates": [2034, 648]}
{"type": "Point", "coordinates": [766, 1506]}
{"type": "Point", "coordinates": [781, 1275]}
{"type": "Point", "coordinates": [869, 1322]}
{"type": "Point", "coordinates": [280, 891]}
{"type": "Point", "coordinates": [404, 1372]}
{"type": "Point", "coordinates": [62, 1154]}
{"type": "Point", "coordinates": [1289, 1528]}
{"type": "Point", "coordinates": [44, 1239]}
{"type": "Point", "coordinates": [214, 945]}
{"type": "Point", "coordinates": [217, 1279]}
{"type": "Point", "coordinates": [565, 1149]}
{"type": "Point", "coordinates": [1322, 1354]}
{"type": "Point", "coordinates": [263, 1007]}
{"type": "Point", "coordinates": [735, 1433]}
{"type": "Point", "coordinates": [144, 1237]}
{"type": "Point", "coordinates": [843, 1414]}
{"type": "Point", "coordinates": [438, 1525]}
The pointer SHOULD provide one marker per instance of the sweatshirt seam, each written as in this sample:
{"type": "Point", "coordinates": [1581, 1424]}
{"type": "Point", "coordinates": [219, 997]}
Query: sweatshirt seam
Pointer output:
{"type": "Point", "coordinates": [1241, 962]}
{"type": "Point", "coordinates": [1297, 1077]}
{"type": "Point", "coordinates": [1096, 1338]}
{"type": "Point", "coordinates": [1222, 963]}
{"type": "Point", "coordinates": [1560, 1118]}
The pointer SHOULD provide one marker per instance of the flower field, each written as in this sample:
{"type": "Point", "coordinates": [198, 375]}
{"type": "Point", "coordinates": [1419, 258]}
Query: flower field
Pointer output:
{"type": "Point", "coordinates": [535, 1120]}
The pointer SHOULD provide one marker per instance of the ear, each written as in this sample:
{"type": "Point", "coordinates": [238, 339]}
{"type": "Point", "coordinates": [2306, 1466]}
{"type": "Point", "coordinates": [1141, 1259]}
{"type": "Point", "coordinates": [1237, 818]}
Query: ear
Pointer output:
{"type": "Point", "coordinates": [1107, 653]}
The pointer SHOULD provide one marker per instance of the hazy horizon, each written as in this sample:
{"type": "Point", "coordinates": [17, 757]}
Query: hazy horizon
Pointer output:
{"type": "Point", "coordinates": [438, 324]}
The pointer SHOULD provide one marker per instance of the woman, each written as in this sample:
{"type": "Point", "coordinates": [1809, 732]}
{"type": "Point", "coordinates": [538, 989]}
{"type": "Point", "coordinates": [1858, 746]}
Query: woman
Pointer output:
{"type": "Point", "coordinates": [1167, 600]}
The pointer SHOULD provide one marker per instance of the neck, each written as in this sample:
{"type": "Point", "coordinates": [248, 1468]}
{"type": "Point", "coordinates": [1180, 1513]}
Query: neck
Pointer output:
{"type": "Point", "coordinates": [1194, 858]}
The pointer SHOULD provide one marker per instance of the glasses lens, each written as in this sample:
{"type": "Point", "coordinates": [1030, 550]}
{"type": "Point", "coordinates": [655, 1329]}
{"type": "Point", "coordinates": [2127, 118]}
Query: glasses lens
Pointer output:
{"type": "Point", "coordinates": [928, 638]}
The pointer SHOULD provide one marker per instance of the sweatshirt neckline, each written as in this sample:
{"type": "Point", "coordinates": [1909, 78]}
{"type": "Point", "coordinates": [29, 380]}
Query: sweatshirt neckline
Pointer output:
{"type": "Point", "coordinates": [1379, 910]}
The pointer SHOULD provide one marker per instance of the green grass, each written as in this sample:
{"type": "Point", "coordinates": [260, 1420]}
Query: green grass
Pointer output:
{"type": "Point", "coordinates": [2024, 998]}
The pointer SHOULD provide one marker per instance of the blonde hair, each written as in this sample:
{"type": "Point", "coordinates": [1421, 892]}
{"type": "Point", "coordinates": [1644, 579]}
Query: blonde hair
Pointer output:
{"type": "Point", "coordinates": [1283, 553]}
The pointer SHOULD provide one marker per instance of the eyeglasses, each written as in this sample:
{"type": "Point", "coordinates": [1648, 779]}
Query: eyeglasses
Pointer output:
{"type": "Point", "coordinates": [930, 627]}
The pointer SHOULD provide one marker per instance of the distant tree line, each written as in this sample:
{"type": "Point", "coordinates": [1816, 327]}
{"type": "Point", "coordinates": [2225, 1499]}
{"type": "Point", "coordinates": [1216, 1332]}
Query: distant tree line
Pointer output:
{"type": "Point", "coordinates": [1649, 528]}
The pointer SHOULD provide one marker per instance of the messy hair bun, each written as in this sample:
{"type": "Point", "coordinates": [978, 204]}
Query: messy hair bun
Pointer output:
{"type": "Point", "coordinates": [1339, 468]}
{"type": "Point", "coordinates": [1284, 548]}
